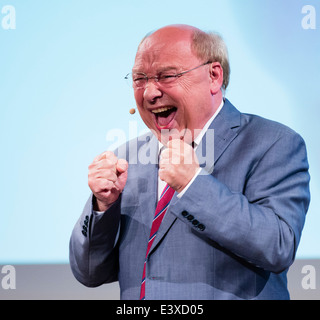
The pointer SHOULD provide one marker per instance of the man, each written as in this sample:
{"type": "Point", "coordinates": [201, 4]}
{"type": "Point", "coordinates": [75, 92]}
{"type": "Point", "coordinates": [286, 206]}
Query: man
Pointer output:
{"type": "Point", "coordinates": [232, 226]}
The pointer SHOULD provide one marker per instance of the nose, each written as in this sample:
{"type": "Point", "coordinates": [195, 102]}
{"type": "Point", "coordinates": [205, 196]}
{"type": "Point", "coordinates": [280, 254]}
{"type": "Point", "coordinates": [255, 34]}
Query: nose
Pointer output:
{"type": "Point", "coordinates": [152, 91]}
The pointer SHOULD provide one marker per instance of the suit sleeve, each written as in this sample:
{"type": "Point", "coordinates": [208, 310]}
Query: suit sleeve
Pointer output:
{"type": "Point", "coordinates": [93, 251]}
{"type": "Point", "coordinates": [263, 222]}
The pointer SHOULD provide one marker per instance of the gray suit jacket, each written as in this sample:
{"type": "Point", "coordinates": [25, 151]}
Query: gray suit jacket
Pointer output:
{"type": "Point", "coordinates": [232, 235]}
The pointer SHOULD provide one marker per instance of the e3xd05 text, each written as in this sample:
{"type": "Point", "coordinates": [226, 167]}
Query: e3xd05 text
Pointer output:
{"type": "Point", "coordinates": [167, 309]}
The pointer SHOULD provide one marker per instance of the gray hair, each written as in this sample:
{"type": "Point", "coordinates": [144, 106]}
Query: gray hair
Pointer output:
{"type": "Point", "coordinates": [211, 47]}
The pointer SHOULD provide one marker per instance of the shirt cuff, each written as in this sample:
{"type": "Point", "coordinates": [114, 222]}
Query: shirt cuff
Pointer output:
{"type": "Point", "coordinates": [179, 195]}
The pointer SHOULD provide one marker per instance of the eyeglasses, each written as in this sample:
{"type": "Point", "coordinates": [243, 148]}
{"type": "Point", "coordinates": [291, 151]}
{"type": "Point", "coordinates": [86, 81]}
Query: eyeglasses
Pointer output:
{"type": "Point", "coordinates": [140, 80]}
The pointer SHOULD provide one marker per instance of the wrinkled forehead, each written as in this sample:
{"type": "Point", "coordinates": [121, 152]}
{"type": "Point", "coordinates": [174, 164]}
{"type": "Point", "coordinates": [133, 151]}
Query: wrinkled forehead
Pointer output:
{"type": "Point", "coordinates": [157, 53]}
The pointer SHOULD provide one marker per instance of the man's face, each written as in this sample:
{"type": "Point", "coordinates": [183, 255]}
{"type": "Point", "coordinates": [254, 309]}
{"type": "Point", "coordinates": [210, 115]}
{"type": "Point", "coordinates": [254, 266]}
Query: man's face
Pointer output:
{"type": "Point", "coordinates": [183, 104]}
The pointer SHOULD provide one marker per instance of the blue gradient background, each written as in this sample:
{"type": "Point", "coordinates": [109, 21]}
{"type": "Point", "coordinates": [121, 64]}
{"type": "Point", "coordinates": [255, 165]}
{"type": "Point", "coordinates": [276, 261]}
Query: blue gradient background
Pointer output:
{"type": "Point", "coordinates": [62, 90]}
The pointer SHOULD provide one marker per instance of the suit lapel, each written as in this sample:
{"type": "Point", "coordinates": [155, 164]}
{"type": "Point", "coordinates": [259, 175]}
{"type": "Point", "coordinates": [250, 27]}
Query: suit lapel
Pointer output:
{"type": "Point", "coordinates": [226, 126]}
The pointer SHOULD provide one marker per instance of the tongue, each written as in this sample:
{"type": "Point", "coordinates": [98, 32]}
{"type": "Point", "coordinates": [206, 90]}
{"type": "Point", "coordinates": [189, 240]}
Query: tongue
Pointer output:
{"type": "Point", "coordinates": [164, 118]}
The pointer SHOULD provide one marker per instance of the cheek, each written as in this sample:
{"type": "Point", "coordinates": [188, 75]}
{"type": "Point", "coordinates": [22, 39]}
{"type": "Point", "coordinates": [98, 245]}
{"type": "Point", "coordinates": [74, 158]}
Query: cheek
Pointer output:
{"type": "Point", "coordinates": [184, 99]}
{"type": "Point", "coordinates": [186, 85]}
{"type": "Point", "coordinates": [194, 94]}
{"type": "Point", "coordinates": [185, 95]}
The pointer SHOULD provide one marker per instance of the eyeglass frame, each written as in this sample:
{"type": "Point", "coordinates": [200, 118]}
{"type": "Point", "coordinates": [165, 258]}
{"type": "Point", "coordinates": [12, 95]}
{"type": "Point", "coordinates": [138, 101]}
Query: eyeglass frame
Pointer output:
{"type": "Point", "coordinates": [157, 78]}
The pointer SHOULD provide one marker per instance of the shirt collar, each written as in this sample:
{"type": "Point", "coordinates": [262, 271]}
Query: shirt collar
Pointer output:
{"type": "Point", "coordinates": [199, 137]}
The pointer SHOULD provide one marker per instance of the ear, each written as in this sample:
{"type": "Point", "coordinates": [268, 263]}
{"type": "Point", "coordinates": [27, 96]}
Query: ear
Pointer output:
{"type": "Point", "coordinates": [216, 77]}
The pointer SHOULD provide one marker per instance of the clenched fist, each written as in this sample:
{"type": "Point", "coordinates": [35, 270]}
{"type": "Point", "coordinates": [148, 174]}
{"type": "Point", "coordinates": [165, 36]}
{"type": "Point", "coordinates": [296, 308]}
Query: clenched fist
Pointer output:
{"type": "Point", "coordinates": [106, 178]}
{"type": "Point", "coordinates": [178, 164]}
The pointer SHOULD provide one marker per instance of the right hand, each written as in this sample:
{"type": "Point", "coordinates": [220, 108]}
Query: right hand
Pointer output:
{"type": "Point", "coordinates": [106, 178]}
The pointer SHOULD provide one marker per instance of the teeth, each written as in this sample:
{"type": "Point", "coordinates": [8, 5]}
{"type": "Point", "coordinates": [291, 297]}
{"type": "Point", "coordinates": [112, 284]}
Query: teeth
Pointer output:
{"type": "Point", "coordinates": [161, 109]}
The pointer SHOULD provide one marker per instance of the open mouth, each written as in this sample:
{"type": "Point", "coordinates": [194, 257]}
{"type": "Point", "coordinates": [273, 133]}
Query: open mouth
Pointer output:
{"type": "Point", "coordinates": [164, 116]}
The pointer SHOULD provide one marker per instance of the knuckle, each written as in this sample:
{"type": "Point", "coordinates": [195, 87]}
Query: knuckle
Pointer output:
{"type": "Point", "coordinates": [111, 156]}
{"type": "Point", "coordinates": [91, 166]}
{"type": "Point", "coordinates": [109, 162]}
{"type": "Point", "coordinates": [110, 175]}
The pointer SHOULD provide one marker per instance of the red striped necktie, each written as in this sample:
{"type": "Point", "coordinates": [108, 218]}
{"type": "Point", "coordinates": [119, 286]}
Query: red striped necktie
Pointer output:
{"type": "Point", "coordinates": [161, 209]}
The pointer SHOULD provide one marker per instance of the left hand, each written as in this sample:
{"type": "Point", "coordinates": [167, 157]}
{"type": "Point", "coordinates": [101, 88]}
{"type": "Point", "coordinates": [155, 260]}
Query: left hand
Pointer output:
{"type": "Point", "coordinates": [178, 164]}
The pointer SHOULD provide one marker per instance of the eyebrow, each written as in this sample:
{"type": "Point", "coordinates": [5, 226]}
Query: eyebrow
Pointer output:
{"type": "Point", "coordinates": [168, 68]}
{"type": "Point", "coordinates": [162, 69]}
